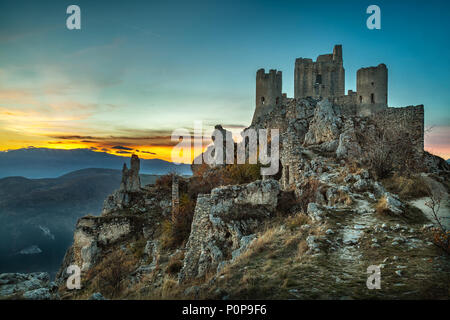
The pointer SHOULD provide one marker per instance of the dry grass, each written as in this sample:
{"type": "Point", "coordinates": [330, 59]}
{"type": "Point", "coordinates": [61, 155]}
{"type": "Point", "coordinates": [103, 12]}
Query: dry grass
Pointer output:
{"type": "Point", "coordinates": [297, 220]}
{"type": "Point", "coordinates": [302, 248]}
{"type": "Point", "coordinates": [407, 187]}
{"type": "Point", "coordinates": [381, 206]}
{"type": "Point", "coordinates": [175, 263]}
{"type": "Point", "coordinates": [109, 276]}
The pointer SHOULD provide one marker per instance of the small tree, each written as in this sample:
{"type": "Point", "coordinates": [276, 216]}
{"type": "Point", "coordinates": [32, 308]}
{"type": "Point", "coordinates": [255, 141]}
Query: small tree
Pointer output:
{"type": "Point", "coordinates": [441, 236]}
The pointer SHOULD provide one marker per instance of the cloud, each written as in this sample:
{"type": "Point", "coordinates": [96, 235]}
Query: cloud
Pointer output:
{"type": "Point", "coordinates": [148, 152]}
{"type": "Point", "coordinates": [123, 152]}
{"type": "Point", "coordinates": [121, 148]}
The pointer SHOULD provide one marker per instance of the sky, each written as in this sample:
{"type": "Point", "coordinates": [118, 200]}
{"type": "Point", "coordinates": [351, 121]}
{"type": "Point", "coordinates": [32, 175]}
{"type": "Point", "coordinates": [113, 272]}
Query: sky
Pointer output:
{"type": "Point", "coordinates": [137, 70]}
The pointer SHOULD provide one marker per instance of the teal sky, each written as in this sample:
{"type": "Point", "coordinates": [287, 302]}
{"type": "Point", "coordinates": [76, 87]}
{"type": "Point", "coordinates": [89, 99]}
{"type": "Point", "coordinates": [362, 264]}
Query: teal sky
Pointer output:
{"type": "Point", "coordinates": [143, 68]}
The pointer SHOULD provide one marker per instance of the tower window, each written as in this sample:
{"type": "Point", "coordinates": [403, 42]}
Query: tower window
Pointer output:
{"type": "Point", "coordinates": [319, 79]}
{"type": "Point", "coordinates": [360, 99]}
{"type": "Point", "coordinates": [277, 100]}
{"type": "Point", "coordinates": [262, 100]}
{"type": "Point", "coordinates": [372, 98]}
{"type": "Point", "coordinates": [372, 84]}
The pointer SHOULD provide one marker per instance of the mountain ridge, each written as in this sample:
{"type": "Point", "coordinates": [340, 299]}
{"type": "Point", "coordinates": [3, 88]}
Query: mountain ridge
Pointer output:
{"type": "Point", "coordinates": [37, 163]}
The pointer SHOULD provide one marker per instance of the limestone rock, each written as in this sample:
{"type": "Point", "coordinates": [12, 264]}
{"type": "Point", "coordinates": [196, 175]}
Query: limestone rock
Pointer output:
{"type": "Point", "coordinates": [362, 185]}
{"type": "Point", "coordinates": [93, 234]}
{"type": "Point", "coordinates": [315, 211]}
{"type": "Point", "coordinates": [97, 296]}
{"type": "Point", "coordinates": [348, 147]}
{"type": "Point", "coordinates": [130, 177]}
{"type": "Point", "coordinates": [224, 222]}
{"type": "Point", "coordinates": [325, 126]}
{"type": "Point", "coordinates": [32, 286]}
{"type": "Point", "coordinates": [393, 204]}
{"type": "Point", "coordinates": [38, 294]}
{"type": "Point", "coordinates": [130, 185]}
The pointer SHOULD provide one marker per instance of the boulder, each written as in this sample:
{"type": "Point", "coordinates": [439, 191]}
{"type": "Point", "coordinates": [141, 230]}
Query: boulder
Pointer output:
{"type": "Point", "coordinates": [97, 296]}
{"type": "Point", "coordinates": [393, 204]}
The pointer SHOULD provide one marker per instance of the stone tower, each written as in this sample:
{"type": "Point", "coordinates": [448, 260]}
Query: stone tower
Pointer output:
{"type": "Point", "coordinates": [371, 87]}
{"type": "Point", "coordinates": [268, 91]}
{"type": "Point", "coordinates": [324, 78]}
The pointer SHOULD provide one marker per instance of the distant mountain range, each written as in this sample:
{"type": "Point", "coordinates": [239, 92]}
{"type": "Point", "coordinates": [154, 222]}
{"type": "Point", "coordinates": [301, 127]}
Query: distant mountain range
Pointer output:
{"type": "Point", "coordinates": [38, 216]}
{"type": "Point", "coordinates": [35, 163]}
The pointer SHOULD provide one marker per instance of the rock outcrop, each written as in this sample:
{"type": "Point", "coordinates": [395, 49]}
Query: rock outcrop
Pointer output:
{"type": "Point", "coordinates": [27, 286]}
{"type": "Point", "coordinates": [223, 220]}
{"type": "Point", "coordinates": [324, 127]}
{"type": "Point", "coordinates": [130, 185]}
{"type": "Point", "coordinates": [93, 236]}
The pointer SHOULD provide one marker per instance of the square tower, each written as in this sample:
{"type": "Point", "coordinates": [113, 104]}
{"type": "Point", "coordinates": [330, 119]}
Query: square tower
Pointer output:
{"type": "Point", "coordinates": [371, 88]}
{"type": "Point", "coordinates": [323, 78]}
{"type": "Point", "coordinates": [268, 92]}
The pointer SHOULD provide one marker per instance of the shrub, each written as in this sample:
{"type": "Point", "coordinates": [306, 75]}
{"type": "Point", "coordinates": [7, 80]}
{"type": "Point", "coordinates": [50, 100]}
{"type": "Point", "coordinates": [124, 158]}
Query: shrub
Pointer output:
{"type": "Point", "coordinates": [138, 247]}
{"type": "Point", "coordinates": [244, 173]}
{"type": "Point", "coordinates": [407, 187]}
{"type": "Point", "coordinates": [176, 231]}
{"type": "Point", "coordinates": [109, 275]}
{"type": "Point", "coordinates": [297, 220]}
{"type": "Point", "coordinates": [441, 238]}
{"type": "Point", "coordinates": [165, 181]}
{"type": "Point", "coordinates": [389, 149]}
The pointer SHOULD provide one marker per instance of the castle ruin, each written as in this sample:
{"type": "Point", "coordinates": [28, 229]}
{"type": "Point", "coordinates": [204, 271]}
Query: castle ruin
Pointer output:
{"type": "Point", "coordinates": [325, 78]}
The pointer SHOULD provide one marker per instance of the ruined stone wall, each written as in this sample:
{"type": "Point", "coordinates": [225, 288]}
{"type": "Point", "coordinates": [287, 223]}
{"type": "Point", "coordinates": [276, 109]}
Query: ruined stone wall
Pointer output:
{"type": "Point", "coordinates": [347, 104]}
{"type": "Point", "coordinates": [323, 78]}
{"type": "Point", "coordinates": [409, 119]}
{"type": "Point", "coordinates": [268, 91]}
{"type": "Point", "coordinates": [371, 86]}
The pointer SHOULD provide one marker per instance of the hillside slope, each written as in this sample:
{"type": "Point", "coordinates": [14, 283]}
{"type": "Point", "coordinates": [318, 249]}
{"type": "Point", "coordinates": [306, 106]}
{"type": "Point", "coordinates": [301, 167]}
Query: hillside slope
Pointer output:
{"type": "Point", "coordinates": [43, 213]}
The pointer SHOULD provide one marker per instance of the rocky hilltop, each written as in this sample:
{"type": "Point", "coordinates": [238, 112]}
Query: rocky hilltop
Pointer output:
{"type": "Point", "coordinates": [347, 196]}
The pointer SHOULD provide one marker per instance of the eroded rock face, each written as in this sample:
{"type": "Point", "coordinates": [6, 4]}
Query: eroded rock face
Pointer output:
{"type": "Point", "coordinates": [222, 223]}
{"type": "Point", "coordinates": [130, 177]}
{"type": "Point", "coordinates": [348, 146]}
{"type": "Point", "coordinates": [324, 127]}
{"type": "Point", "coordinates": [129, 187]}
{"type": "Point", "coordinates": [95, 234]}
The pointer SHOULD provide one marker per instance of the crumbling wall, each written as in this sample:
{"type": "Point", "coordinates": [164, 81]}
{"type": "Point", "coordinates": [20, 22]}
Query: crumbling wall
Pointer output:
{"type": "Point", "coordinates": [408, 120]}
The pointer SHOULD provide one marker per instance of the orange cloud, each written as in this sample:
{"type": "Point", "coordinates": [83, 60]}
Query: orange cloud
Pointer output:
{"type": "Point", "coordinates": [438, 142]}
